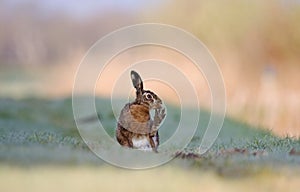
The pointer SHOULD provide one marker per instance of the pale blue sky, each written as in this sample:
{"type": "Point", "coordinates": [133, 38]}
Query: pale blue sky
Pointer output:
{"type": "Point", "coordinates": [84, 8]}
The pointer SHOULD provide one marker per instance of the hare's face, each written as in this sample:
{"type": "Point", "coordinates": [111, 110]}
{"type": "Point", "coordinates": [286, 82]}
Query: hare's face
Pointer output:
{"type": "Point", "coordinates": [151, 99]}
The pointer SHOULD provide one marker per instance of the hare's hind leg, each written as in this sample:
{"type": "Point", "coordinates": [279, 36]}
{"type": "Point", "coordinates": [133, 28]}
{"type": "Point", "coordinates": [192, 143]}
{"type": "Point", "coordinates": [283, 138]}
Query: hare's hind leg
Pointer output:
{"type": "Point", "coordinates": [154, 141]}
{"type": "Point", "coordinates": [123, 137]}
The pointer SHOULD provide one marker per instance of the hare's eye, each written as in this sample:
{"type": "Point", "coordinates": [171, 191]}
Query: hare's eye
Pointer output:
{"type": "Point", "coordinates": [148, 96]}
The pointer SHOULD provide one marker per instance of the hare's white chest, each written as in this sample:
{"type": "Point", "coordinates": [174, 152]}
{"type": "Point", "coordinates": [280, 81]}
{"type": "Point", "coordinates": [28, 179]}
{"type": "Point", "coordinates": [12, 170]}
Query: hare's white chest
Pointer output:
{"type": "Point", "coordinates": [143, 143]}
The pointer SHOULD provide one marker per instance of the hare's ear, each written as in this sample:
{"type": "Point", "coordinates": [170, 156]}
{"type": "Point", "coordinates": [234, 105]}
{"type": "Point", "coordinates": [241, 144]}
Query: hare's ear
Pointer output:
{"type": "Point", "coordinates": [137, 83]}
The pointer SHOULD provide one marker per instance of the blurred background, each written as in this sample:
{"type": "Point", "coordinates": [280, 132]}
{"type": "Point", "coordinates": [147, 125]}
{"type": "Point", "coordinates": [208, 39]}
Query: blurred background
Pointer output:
{"type": "Point", "coordinates": [256, 43]}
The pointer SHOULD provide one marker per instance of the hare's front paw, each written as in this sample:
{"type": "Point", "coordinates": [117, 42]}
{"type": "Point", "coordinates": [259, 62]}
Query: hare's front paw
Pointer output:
{"type": "Point", "coordinates": [159, 116]}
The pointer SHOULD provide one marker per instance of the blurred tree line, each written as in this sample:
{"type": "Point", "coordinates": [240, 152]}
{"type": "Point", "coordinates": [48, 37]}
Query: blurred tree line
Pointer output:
{"type": "Point", "coordinates": [257, 31]}
{"type": "Point", "coordinates": [30, 35]}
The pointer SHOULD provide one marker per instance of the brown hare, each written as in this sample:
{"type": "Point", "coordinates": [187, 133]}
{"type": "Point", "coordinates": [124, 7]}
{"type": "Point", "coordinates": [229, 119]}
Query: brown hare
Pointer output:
{"type": "Point", "coordinates": [135, 127]}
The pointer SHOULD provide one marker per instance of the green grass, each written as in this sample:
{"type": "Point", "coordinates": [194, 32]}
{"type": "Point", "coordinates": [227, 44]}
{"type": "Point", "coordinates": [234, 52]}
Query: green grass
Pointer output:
{"type": "Point", "coordinates": [43, 131]}
{"type": "Point", "coordinates": [41, 134]}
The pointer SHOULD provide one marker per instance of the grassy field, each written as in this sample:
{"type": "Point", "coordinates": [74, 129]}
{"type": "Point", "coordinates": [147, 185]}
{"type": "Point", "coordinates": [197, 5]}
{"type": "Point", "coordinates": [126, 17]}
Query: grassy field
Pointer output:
{"type": "Point", "coordinates": [41, 150]}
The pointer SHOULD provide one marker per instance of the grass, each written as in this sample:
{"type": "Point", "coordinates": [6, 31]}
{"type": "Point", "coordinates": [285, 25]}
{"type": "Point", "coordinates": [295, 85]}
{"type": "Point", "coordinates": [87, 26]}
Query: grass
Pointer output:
{"type": "Point", "coordinates": [39, 136]}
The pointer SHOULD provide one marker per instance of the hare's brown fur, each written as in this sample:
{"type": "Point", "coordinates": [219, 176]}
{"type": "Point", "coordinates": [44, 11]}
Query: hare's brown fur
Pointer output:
{"type": "Point", "coordinates": [140, 112]}
{"type": "Point", "coordinates": [135, 124]}
{"type": "Point", "coordinates": [124, 137]}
